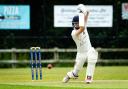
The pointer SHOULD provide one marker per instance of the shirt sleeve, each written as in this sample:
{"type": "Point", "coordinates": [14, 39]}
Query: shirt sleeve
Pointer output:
{"type": "Point", "coordinates": [73, 34]}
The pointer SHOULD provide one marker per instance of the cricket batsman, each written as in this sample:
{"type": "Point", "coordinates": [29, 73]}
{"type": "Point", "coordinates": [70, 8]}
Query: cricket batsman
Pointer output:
{"type": "Point", "coordinates": [85, 51]}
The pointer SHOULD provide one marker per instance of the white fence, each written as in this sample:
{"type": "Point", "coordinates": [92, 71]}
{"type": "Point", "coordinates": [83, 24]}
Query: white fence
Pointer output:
{"type": "Point", "coordinates": [14, 60]}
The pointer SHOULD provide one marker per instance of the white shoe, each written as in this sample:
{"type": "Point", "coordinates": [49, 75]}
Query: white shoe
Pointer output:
{"type": "Point", "coordinates": [72, 75]}
{"type": "Point", "coordinates": [69, 76]}
{"type": "Point", "coordinates": [66, 79]}
{"type": "Point", "coordinates": [88, 79]}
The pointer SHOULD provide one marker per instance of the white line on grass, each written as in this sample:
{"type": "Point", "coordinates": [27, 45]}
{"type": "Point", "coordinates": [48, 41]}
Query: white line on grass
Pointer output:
{"type": "Point", "coordinates": [80, 84]}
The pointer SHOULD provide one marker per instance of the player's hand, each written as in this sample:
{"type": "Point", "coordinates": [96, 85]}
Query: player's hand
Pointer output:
{"type": "Point", "coordinates": [82, 8]}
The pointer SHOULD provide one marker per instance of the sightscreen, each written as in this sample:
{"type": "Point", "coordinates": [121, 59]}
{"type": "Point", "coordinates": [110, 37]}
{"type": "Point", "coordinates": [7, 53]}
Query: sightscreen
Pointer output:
{"type": "Point", "coordinates": [100, 15]}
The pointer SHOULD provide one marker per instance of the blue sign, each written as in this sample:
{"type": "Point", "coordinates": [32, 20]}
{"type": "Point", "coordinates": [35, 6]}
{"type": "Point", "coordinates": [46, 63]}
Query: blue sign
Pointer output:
{"type": "Point", "coordinates": [14, 17]}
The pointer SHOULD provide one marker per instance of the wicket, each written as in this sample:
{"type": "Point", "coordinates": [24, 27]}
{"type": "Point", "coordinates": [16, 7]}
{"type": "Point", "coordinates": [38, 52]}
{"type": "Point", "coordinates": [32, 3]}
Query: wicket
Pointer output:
{"type": "Point", "coordinates": [35, 61]}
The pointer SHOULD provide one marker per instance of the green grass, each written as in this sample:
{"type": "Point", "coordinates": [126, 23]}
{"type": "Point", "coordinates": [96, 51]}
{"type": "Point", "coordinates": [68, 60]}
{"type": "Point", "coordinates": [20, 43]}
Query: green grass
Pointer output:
{"type": "Point", "coordinates": [104, 78]}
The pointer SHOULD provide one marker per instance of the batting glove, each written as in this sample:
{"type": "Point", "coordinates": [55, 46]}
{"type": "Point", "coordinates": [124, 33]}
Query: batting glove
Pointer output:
{"type": "Point", "coordinates": [82, 8]}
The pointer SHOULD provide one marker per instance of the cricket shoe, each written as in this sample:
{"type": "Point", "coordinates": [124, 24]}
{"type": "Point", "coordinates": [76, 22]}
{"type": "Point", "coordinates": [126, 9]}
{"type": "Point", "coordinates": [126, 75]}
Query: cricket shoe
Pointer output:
{"type": "Point", "coordinates": [70, 75]}
{"type": "Point", "coordinates": [88, 80]}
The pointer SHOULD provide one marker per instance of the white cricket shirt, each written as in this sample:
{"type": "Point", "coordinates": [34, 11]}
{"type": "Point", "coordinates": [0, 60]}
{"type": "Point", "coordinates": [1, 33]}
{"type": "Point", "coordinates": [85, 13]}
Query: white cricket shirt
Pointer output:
{"type": "Point", "coordinates": [82, 41]}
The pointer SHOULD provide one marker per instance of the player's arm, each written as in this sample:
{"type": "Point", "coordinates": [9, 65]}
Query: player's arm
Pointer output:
{"type": "Point", "coordinates": [81, 28]}
{"type": "Point", "coordinates": [86, 18]}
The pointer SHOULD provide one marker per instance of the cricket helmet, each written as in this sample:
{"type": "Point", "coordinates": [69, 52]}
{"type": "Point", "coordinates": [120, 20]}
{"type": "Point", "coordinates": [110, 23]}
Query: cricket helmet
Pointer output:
{"type": "Point", "coordinates": [75, 19]}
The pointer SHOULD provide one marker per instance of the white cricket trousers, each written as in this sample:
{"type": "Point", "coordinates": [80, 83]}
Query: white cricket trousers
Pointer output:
{"type": "Point", "coordinates": [91, 57]}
